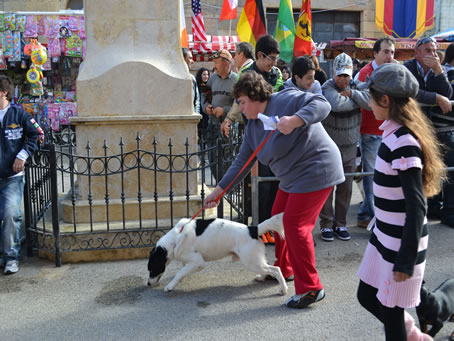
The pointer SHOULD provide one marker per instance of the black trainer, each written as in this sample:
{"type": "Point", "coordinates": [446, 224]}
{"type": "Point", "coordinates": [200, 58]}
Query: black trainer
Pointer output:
{"type": "Point", "coordinates": [301, 301]}
{"type": "Point", "coordinates": [342, 233]}
{"type": "Point", "coordinates": [327, 234]}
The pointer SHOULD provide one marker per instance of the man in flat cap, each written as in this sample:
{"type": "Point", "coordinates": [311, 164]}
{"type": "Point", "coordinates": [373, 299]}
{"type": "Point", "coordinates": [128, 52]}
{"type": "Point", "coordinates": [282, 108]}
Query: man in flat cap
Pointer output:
{"type": "Point", "coordinates": [221, 84]}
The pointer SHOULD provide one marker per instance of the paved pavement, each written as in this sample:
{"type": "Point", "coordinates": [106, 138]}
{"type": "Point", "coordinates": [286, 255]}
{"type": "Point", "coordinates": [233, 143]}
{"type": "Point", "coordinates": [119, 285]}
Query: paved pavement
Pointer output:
{"type": "Point", "coordinates": [110, 300]}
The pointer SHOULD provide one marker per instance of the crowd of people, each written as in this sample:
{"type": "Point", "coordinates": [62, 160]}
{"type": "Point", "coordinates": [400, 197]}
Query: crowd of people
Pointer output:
{"type": "Point", "coordinates": [397, 115]}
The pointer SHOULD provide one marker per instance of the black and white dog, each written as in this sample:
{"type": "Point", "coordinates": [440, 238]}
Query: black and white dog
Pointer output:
{"type": "Point", "coordinates": [436, 307]}
{"type": "Point", "coordinates": [207, 240]}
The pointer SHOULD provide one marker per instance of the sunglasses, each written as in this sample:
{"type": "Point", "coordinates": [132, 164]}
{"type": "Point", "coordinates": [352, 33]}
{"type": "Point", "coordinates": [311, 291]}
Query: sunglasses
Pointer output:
{"type": "Point", "coordinates": [425, 41]}
{"type": "Point", "coordinates": [271, 59]}
{"type": "Point", "coordinates": [343, 75]}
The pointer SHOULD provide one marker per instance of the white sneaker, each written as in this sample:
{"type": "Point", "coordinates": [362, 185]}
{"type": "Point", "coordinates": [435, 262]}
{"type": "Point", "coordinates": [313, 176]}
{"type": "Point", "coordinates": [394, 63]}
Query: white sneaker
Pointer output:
{"type": "Point", "coordinates": [12, 266]}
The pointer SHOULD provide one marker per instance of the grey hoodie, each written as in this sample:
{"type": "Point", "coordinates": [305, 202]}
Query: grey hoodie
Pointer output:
{"type": "Point", "coordinates": [306, 160]}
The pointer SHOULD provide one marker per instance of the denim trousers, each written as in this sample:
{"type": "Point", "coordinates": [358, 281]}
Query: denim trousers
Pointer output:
{"type": "Point", "coordinates": [444, 202]}
{"type": "Point", "coordinates": [369, 148]}
{"type": "Point", "coordinates": [11, 191]}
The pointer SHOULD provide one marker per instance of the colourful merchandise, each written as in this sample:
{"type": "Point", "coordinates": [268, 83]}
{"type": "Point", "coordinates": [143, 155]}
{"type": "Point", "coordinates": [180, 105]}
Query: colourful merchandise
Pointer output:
{"type": "Point", "coordinates": [39, 55]}
{"type": "Point", "coordinates": [36, 89]}
{"type": "Point", "coordinates": [31, 26]}
{"type": "Point", "coordinates": [82, 28]}
{"type": "Point", "coordinates": [52, 27]}
{"type": "Point", "coordinates": [10, 21]}
{"type": "Point", "coordinates": [74, 46]}
{"type": "Point", "coordinates": [7, 44]}
{"type": "Point", "coordinates": [2, 22]}
{"type": "Point", "coordinates": [42, 25]}
{"type": "Point", "coordinates": [73, 24]}
{"type": "Point", "coordinates": [54, 48]}
{"type": "Point", "coordinates": [20, 23]}
{"type": "Point", "coordinates": [16, 57]}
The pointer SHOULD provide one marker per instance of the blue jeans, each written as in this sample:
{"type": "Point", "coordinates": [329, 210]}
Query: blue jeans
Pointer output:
{"type": "Point", "coordinates": [11, 191]}
{"type": "Point", "coordinates": [369, 148]}
{"type": "Point", "coordinates": [443, 203]}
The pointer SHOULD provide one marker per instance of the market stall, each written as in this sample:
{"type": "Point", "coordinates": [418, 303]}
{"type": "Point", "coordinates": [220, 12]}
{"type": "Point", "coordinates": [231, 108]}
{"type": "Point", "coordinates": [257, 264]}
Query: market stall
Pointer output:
{"type": "Point", "coordinates": [362, 48]}
{"type": "Point", "coordinates": [45, 83]}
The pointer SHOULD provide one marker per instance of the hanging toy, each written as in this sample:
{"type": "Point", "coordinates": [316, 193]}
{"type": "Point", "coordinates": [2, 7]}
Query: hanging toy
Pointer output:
{"type": "Point", "coordinates": [39, 55]}
{"type": "Point", "coordinates": [33, 75]}
{"type": "Point", "coordinates": [30, 47]}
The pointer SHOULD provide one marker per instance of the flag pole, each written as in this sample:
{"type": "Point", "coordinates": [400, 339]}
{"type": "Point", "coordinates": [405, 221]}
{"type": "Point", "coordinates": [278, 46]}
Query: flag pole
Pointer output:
{"type": "Point", "coordinates": [230, 27]}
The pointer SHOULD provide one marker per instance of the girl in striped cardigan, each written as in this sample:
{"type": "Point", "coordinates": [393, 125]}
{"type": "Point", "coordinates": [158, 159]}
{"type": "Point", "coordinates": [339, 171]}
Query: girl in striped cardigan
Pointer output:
{"type": "Point", "coordinates": [408, 169]}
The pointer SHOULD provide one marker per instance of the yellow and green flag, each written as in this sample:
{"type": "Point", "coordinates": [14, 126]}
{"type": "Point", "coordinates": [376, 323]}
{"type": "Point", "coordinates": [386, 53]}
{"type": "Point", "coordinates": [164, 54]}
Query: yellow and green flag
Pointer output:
{"type": "Point", "coordinates": [285, 30]}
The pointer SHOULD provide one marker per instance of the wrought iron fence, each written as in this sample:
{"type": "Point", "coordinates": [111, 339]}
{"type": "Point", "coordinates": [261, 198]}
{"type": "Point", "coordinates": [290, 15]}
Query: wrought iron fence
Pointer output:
{"type": "Point", "coordinates": [58, 179]}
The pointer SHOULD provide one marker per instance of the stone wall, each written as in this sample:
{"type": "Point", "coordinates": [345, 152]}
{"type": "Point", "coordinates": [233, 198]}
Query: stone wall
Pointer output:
{"type": "Point", "coordinates": [32, 5]}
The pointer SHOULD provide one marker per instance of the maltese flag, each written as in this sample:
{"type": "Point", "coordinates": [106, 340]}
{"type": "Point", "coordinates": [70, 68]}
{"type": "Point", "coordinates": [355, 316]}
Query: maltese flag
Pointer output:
{"type": "Point", "coordinates": [228, 11]}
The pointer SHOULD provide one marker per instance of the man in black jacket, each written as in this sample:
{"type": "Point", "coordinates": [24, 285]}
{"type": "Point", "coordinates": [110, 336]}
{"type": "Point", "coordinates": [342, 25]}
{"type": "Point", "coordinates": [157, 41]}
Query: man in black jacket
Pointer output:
{"type": "Point", "coordinates": [19, 136]}
{"type": "Point", "coordinates": [435, 89]}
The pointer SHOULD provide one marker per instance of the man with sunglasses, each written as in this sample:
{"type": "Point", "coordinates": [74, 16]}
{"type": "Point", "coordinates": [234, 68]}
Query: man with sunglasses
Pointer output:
{"type": "Point", "coordinates": [434, 88]}
{"type": "Point", "coordinates": [342, 125]}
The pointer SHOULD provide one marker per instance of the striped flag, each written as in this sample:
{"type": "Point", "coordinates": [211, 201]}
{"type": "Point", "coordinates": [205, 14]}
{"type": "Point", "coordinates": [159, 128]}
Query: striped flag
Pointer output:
{"type": "Point", "coordinates": [228, 11]}
{"type": "Point", "coordinates": [251, 25]}
{"type": "Point", "coordinates": [405, 18]}
{"type": "Point", "coordinates": [198, 27]}
{"type": "Point", "coordinates": [183, 32]}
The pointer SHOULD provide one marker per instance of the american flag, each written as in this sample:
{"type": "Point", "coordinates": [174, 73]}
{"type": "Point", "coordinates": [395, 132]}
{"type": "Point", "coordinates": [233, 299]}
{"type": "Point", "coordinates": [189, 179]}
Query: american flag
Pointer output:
{"type": "Point", "coordinates": [198, 27]}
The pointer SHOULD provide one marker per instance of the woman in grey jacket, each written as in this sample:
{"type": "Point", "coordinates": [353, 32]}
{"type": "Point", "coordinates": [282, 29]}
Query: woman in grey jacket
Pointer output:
{"type": "Point", "coordinates": [307, 163]}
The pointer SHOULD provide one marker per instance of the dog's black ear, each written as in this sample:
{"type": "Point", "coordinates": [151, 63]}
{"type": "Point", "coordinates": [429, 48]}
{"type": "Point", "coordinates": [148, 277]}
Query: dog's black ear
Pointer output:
{"type": "Point", "coordinates": [157, 261]}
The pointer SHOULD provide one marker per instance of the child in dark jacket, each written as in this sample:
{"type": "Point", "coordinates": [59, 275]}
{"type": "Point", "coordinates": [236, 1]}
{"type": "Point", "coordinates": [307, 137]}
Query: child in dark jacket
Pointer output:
{"type": "Point", "coordinates": [19, 138]}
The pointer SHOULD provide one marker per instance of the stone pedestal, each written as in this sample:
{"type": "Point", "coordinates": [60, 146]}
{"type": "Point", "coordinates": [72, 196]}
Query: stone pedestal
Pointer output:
{"type": "Point", "coordinates": [133, 81]}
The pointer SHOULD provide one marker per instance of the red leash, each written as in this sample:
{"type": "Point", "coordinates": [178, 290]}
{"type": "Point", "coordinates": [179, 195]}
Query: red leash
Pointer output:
{"type": "Point", "coordinates": [231, 183]}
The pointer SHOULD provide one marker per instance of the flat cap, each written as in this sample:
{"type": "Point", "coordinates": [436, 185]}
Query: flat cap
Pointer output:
{"type": "Point", "coordinates": [222, 54]}
{"type": "Point", "coordinates": [394, 80]}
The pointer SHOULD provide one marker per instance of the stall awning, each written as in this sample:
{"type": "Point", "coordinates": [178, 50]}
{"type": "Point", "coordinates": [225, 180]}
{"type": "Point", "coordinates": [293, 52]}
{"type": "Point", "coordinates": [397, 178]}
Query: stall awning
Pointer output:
{"type": "Point", "coordinates": [362, 48]}
{"type": "Point", "coordinates": [202, 50]}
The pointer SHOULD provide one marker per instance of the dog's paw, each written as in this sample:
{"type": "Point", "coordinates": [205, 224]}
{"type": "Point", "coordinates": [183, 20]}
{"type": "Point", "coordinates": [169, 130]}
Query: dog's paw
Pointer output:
{"type": "Point", "coordinates": [283, 290]}
{"type": "Point", "coordinates": [168, 288]}
{"type": "Point", "coordinates": [260, 278]}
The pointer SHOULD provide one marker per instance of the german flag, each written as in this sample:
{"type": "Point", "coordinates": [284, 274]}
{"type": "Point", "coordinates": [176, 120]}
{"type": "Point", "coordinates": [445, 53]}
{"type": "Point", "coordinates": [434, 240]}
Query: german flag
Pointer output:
{"type": "Point", "coordinates": [251, 25]}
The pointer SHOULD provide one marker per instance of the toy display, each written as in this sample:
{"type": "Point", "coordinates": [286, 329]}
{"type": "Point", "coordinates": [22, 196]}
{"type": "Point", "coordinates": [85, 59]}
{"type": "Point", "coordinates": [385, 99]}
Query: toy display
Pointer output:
{"type": "Point", "coordinates": [42, 54]}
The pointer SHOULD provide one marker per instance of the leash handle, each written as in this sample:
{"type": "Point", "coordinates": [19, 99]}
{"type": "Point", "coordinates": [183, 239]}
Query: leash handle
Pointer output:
{"type": "Point", "coordinates": [218, 198]}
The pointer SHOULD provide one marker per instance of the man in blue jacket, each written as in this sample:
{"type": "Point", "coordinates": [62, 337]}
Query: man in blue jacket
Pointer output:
{"type": "Point", "coordinates": [435, 88]}
{"type": "Point", "coordinates": [19, 138]}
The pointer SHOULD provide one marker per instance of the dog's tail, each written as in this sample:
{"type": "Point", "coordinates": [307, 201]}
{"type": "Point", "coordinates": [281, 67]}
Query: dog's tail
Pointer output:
{"type": "Point", "coordinates": [274, 223]}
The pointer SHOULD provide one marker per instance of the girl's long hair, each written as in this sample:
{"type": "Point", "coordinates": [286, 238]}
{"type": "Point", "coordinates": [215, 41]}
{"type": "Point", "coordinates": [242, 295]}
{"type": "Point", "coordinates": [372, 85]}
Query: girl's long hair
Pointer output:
{"type": "Point", "coordinates": [407, 112]}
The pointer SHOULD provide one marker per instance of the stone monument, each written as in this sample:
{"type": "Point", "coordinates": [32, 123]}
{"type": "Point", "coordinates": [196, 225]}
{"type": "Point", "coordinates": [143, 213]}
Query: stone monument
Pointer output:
{"type": "Point", "coordinates": [132, 82]}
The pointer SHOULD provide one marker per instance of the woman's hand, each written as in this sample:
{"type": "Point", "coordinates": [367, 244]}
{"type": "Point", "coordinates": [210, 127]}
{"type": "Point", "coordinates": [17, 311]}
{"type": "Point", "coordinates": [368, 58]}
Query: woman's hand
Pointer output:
{"type": "Point", "coordinates": [210, 200]}
{"type": "Point", "coordinates": [287, 124]}
{"type": "Point", "coordinates": [400, 276]}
